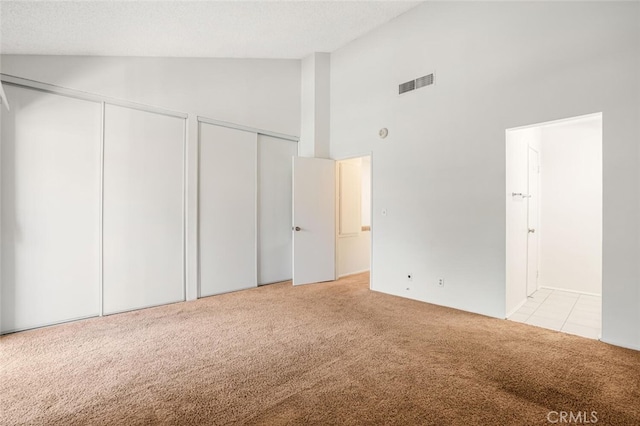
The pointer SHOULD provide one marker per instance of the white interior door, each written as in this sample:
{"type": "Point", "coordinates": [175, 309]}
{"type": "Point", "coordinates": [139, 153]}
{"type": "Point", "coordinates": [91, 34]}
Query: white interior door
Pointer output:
{"type": "Point", "coordinates": [227, 209]}
{"type": "Point", "coordinates": [313, 220]}
{"type": "Point", "coordinates": [532, 220]}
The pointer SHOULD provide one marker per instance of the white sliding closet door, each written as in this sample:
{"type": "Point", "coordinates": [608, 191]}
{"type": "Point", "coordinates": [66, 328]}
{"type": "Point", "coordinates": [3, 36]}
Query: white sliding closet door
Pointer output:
{"type": "Point", "coordinates": [50, 183]}
{"type": "Point", "coordinates": [274, 208]}
{"type": "Point", "coordinates": [143, 209]}
{"type": "Point", "coordinates": [227, 209]}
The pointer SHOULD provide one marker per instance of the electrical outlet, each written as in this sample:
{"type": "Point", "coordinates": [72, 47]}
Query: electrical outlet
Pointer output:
{"type": "Point", "coordinates": [409, 277]}
{"type": "Point", "coordinates": [440, 282]}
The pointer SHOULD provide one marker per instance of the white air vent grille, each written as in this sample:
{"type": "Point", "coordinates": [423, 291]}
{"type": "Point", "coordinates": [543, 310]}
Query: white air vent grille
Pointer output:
{"type": "Point", "coordinates": [426, 80]}
{"type": "Point", "coordinates": [406, 87]}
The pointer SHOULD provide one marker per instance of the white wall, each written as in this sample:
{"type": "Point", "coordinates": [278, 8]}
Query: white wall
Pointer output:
{"type": "Point", "coordinates": [571, 206]}
{"type": "Point", "coordinates": [315, 89]}
{"type": "Point", "coordinates": [262, 93]}
{"type": "Point", "coordinates": [366, 191]}
{"type": "Point", "coordinates": [254, 92]}
{"type": "Point", "coordinates": [440, 173]}
{"type": "Point", "coordinates": [307, 106]}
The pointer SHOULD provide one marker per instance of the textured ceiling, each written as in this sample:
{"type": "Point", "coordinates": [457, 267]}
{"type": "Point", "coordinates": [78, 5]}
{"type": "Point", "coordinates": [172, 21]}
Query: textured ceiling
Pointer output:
{"type": "Point", "coordinates": [223, 29]}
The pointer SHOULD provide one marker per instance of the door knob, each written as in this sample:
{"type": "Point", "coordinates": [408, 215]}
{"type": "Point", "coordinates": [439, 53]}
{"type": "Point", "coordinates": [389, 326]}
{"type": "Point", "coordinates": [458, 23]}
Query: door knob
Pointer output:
{"type": "Point", "coordinates": [531, 230]}
{"type": "Point", "coordinates": [296, 228]}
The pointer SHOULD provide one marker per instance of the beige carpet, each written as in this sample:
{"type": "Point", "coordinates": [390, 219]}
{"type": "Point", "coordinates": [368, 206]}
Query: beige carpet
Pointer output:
{"type": "Point", "coordinates": [332, 353]}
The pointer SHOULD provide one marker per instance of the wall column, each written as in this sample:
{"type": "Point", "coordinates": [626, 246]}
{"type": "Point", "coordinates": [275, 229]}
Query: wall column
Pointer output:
{"type": "Point", "coordinates": [314, 128]}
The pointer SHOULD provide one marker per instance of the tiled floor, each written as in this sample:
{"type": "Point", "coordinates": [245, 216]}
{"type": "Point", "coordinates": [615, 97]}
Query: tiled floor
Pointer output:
{"type": "Point", "coordinates": [572, 313]}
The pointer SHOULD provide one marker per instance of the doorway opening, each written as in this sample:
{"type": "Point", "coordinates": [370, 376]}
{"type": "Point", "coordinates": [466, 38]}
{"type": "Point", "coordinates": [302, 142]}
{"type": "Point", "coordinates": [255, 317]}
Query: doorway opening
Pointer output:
{"type": "Point", "coordinates": [554, 225]}
{"type": "Point", "coordinates": [353, 216]}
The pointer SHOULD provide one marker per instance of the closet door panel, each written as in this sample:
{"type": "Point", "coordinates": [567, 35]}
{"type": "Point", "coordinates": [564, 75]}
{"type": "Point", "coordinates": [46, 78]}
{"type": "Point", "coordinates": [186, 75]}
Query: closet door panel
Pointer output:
{"type": "Point", "coordinates": [50, 226]}
{"type": "Point", "coordinates": [274, 208]}
{"type": "Point", "coordinates": [227, 209]}
{"type": "Point", "coordinates": [143, 209]}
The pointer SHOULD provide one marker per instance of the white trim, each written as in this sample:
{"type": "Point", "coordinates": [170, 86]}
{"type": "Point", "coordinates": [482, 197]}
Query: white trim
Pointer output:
{"type": "Point", "coordinates": [256, 215]}
{"type": "Point", "coordinates": [336, 219]}
{"type": "Point", "coordinates": [558, 121]}
{"type": "Point", "coordinates": [275, 282]}
{"type": "Point", "coordinates": [3, 98]}
{"type": "Point", "coordinates": [184, 209]}
{"type": "Point", "coordinates": [198, 172]}
{"type": "Point", "coordinates": [569, 291]}
{"type": "Point", "coordinates": [49, 324]}
{"type": "Point", "coordinates": [78, 94]}
{"type": "Point", "coordinates": [251, 287]}
{"type": "Point", "coordinates": [247, 129]}
{"type": "Point", "coordinates": [143, 307]}
{"type": "Point", "coordinates": [101, 213]}
{"type": "Point", "coordinates": [371, 219]}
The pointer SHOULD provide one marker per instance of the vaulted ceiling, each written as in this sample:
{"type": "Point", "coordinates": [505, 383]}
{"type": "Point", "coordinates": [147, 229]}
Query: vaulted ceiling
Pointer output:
{"type": "Point", "coordinates": [229, 29]}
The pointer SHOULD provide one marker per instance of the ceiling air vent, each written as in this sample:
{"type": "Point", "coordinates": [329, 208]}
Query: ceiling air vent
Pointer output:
{"type": "Point", "coordinates": [406, 87]}
{"type": "Point", "coordinates": [426, 80]}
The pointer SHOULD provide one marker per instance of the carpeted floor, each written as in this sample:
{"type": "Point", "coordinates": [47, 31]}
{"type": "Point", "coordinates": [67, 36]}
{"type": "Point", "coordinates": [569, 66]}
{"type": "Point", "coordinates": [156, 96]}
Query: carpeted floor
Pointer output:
{"type": "Point", "coordinates": [331, 353]}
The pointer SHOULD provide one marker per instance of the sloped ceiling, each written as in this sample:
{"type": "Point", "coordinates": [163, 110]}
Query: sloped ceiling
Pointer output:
{"type": "Point", "coordinates": [223, 29]}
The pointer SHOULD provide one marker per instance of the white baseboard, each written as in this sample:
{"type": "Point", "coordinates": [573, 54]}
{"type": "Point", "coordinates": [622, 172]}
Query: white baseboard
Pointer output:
{"type": "Point", "coordinates": [622, 345]}
{"type": "Point", "coordinates": [549, 287]}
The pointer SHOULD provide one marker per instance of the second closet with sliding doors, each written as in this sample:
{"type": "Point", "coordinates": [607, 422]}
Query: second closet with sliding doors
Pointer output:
{"type": "Point", "coordinates": [244, 207]}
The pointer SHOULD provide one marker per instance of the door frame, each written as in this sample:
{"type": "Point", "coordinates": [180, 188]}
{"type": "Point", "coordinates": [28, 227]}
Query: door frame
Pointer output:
{"type": "Point", "coordinates": [509, 285]}
{"type": "Point", "coordinates": [371, 231]}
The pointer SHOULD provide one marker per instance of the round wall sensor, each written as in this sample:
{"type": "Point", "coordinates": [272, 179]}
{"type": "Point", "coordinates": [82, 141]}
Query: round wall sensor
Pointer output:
{"type": "Point", "coordinates": [383, 132]}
